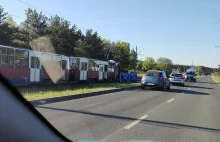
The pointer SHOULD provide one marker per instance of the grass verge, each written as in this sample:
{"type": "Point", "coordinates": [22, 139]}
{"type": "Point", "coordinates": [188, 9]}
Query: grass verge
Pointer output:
{"type": "Point", "coordinates": [216, 78]}
{"type": "Point", "coordinates": [42, 92]}
{"type": "Point", "coordinates": [198, 76]}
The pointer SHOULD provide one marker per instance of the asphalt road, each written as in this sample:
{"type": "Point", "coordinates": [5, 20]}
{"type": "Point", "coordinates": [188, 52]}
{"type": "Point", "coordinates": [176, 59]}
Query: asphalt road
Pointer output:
{"type": "Point", "coordinates": [190, 113]}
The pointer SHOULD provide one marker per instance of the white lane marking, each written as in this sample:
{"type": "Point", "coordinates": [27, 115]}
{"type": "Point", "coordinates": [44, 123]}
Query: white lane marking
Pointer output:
{"type": "Point", "coordinates": [189, 88]}
{"type": "Point", "coordinates": [126, 125]}
{"type": "Point", "coordinates": [182, 93]}
{"type": "Point", "coordinates": [170, 100]}
{"type": "Point", "coordinates": [135, 122]}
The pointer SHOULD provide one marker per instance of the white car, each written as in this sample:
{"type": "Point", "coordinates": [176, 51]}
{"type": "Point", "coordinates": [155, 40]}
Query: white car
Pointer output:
{"type": "Point", "coordinates": [176, 79]}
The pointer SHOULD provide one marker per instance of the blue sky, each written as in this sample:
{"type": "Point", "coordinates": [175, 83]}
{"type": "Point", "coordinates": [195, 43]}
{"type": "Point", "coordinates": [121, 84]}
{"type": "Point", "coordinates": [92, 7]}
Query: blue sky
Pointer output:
{"type": "Point", "coordinates": [183, 30]}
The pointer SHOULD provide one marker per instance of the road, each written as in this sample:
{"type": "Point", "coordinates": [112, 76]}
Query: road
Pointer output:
{"type": "Point", "coordinates": [190, 113]}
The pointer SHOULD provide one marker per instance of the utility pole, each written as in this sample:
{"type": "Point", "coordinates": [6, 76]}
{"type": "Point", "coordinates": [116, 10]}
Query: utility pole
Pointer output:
{"type": "Point", "coordinates": [135, 62]}
{"type": "Point", "coordinates": [136, 57]}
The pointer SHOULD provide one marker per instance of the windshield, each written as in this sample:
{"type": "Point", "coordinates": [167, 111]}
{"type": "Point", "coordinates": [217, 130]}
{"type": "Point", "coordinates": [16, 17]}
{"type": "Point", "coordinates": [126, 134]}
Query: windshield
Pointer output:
{"type": "Point", "coordinates": [116, 70]}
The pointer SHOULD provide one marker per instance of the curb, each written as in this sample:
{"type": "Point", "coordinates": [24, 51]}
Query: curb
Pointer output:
{"type": "Point", "coordinates": [78, 96]}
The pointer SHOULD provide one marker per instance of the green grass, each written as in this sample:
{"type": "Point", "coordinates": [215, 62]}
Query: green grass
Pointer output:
{"type": "Point", "coordinates": [198, 76]}
{"type": "Point", "coordinates": [42, 92]}
{"type": "Point", "coordinates": [216, 78]}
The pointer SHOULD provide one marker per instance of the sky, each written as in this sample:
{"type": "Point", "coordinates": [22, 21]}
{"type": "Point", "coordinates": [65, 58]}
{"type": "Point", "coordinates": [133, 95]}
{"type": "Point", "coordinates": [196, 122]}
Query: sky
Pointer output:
{"type": "Point", "coordinates": [185, 31]}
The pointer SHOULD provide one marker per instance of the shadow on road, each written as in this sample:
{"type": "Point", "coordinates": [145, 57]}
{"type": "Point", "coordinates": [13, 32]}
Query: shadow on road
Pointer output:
{"type": "Point", "coordinates": [198, 87]}
{"type": "Point", "coordinates": [175, 90]}
{"type": "Point", "coordinates": [208, 82]}
{"type": "Point", "coordinates": [188, 92]}
{"type": "Point", "coordinates": [150, 122]}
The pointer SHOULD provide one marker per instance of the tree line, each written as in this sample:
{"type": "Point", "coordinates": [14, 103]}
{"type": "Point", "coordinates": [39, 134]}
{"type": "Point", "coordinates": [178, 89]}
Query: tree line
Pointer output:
{"type": "Point", "coordinates": [67, 39]}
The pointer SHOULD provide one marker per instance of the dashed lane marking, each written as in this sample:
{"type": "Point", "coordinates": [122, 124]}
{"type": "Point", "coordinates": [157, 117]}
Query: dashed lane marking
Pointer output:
{"type": "Point", "coordinates": [135, 122]}
{"type": "Point", "coordinates": [170, 100]}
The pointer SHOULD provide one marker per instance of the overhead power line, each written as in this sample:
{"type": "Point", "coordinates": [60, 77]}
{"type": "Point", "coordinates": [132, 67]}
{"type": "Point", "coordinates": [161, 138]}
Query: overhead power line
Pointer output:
{"type": "Point", "coordinates": [16, 16]}
{"type": "Point", "coordinates": [35, 7]}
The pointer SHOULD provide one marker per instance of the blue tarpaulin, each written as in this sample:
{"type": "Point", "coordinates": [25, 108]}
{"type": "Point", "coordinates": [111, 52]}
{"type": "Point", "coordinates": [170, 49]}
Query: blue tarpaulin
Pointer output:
{"type": "Point", "coordinates": [128, 77]}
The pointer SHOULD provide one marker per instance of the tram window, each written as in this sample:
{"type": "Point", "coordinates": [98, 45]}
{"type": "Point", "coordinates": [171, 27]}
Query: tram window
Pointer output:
{"type": "Point", "coordinates": [85, 67]}
{"type": "Point", "coordinates": [21, 59]}
{"type": "Point", "coordinates": [32, 62]}
{"type": "Point", "coordinates": [106, 68]}
{"type": "Point", "coordinates": [6, 57]}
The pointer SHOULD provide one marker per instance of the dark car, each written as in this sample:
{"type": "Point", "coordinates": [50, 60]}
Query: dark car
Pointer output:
{"type": "Point", "coordinates": [155, 79]}
{"type": "Point", "coordinates": [190, 76]}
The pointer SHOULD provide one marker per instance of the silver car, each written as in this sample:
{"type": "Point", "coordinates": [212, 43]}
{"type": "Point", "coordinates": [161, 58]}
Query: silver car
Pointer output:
{"type": "Point", "coordinates": [155, 79]}
{"type": "Point", "coordinates": [176, 79]}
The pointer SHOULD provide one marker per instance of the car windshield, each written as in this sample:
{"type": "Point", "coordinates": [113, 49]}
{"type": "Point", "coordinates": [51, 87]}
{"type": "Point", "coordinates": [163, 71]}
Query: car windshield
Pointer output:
{"type": "Point", "coordinates": [118, 70]}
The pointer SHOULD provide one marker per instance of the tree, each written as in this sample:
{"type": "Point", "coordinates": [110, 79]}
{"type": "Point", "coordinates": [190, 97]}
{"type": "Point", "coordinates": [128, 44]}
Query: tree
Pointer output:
{"type": "Point", "coordinates": [139, 65]}
{"type": "Point", "coordinates": [120, 52]}
{"type": "Point", "coordinates": [63, 37]}
{"type": "Point", "coordinates": [35, 25]}
{"type": "Point", "coordinates": [164, 64]}
{"type": "Point", "coordinates": [94, 46]}
{"type": "Point", "coordinates": [199, 69]}
{"type": "Point", "coordinates": [6, 33]}
{"type": "Point", "coordinates": [3, 15]}
{"type": "Point", "coordinates": [148, 64]}
{"type": "Point", "coordinates": [107, 45]}
{"type": "Point", "coordinates": [133, 59]}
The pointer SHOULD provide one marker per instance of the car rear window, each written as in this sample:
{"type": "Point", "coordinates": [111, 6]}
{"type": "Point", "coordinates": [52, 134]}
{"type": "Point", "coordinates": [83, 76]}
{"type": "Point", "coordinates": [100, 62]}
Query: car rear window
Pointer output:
{"type": "Point", "coordinates": [177, 75]}
{"type": "Point", "coordinates": [190, 73]}
{"type": "Point", "coordinates": [153, 74]}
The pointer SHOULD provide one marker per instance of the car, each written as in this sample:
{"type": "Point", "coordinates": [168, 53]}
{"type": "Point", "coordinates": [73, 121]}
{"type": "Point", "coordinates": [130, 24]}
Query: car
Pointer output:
{"type": "Point", "coordinates": [177, 78]}
{"type": "Point", "coordinates": [190, 76]}
{"type": "Point", "coordinates": [155, 79]}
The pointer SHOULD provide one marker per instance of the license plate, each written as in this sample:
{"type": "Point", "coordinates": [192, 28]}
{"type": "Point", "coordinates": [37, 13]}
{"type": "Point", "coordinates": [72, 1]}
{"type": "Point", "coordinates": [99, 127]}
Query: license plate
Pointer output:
{"type": "Point", "coordinates": [150, 84]}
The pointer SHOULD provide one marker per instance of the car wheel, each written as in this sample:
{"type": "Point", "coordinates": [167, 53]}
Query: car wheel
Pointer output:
{"type": "Point", "coordinates": [168, 88]}
{"type": "Point", "coordinates": [142, 87]}
{"type": "Point", "coordinates": [164, 87]}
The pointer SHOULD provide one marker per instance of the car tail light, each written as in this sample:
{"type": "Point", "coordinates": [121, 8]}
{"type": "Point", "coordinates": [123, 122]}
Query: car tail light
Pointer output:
{"type": "Point", "coordinates": [143, 77]}
{"type": "Point", "coordinates": [161, 78]}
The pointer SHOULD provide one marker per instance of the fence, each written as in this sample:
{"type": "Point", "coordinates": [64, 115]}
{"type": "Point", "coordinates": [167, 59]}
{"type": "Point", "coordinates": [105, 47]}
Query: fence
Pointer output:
{"type": "Point", "coordinates": [128, 77]}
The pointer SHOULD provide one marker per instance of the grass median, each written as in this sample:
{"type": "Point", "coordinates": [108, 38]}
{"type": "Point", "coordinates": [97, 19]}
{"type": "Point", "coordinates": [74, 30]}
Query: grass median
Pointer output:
{"type": "Point", "coordinates": [43, 92]}
{"type": "Point", "coordinates": [216, 78]}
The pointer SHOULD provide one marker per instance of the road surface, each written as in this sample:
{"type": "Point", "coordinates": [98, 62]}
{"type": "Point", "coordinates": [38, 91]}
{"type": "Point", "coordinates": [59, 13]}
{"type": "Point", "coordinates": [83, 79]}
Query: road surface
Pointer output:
{"type": "Point", "coordinates": [190, 113]}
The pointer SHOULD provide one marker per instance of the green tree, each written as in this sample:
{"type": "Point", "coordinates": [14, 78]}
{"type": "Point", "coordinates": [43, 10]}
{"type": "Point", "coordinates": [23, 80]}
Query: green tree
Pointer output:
{"type": "Point", "coordinates": [164, 64]}
{"type": "Point", "coordinates": [200, 69]}
{"type": "Point", "coordinates": [139, 65]}
{"type": "Point", "coordinates": [148, 64]}
{"type": "Point", "coordinates": [120, 52]}
{"type": "Point", "coordinates": [34, 26]}
{"type": "Point", "coordinates": [107, 45]}
{"type": "Point", "coordinates": [63, 37]}
{"type": "Point", "coordinates": [133, 59]}
{"type": "Point", "coordinates": [6, 32]}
